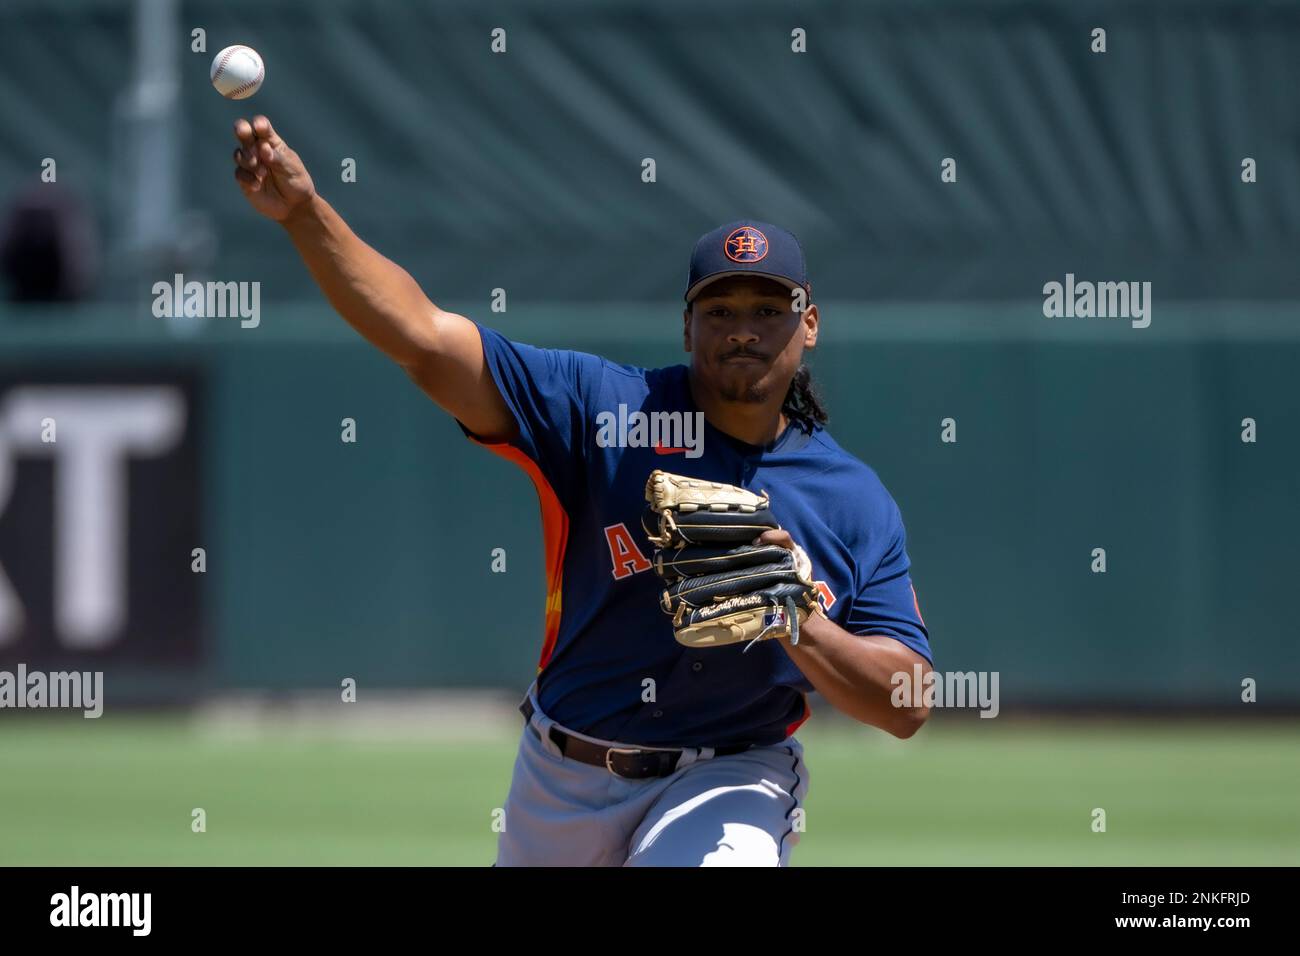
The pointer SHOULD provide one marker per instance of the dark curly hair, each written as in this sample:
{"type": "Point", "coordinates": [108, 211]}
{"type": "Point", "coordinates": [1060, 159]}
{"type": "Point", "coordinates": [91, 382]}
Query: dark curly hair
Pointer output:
{"type": "Point", "coordinates": [803, 402]}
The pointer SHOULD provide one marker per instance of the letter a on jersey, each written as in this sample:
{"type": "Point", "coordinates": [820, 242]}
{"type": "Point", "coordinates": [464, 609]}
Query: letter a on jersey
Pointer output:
{"type": "Point", "coordinates": [625, 556]}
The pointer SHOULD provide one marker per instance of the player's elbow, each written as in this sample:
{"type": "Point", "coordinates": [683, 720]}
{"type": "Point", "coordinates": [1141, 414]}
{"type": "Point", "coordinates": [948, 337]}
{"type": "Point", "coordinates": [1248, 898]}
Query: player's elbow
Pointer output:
{"type": "Point", "coordinates": [908, 720]}
{"type": "Point", "coordinates": [421, 346]}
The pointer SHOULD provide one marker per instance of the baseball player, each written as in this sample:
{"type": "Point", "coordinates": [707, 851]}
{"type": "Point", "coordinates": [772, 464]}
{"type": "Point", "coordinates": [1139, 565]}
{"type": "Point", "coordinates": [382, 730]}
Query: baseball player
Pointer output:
{"type": "Point", "coordinates": [660, 727]}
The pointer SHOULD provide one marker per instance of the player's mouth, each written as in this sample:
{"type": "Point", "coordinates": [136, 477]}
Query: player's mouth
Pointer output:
{"type": "Point", "coordinates": [743, 358]}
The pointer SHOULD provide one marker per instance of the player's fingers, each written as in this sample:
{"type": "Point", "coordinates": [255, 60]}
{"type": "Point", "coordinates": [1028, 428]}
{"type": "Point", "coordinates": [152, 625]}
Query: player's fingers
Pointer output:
{"type": "Point", "coordinates": [247, 159]}
{"type": "Point", "coordinates": [247, 181]}
{"type": "Point", "coordinates": [777, 536]}
{"type": "Point", "coordinates": [265, 131]}
{"type": "Point", "coordinates": [244, 131]}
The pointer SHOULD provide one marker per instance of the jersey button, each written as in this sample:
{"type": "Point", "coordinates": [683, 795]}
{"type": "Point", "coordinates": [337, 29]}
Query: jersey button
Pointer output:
{"type": "Point", "coordinates": [659, 713]}
{"type": "Point", "coordinates": [697, 667]}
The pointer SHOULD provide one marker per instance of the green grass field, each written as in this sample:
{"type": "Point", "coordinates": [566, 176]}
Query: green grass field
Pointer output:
{"type": "Point", "coordinates": [76, 792]}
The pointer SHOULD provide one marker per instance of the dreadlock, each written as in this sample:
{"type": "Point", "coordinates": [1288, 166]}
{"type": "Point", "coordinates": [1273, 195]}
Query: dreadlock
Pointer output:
{"type": "Point", "coordinates": [802, 400]}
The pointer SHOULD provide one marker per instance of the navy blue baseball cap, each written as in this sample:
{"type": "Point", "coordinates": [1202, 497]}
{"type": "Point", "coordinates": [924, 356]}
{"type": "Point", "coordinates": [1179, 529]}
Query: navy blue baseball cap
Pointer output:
{"type": "Point", "coordinates": [744, 248]}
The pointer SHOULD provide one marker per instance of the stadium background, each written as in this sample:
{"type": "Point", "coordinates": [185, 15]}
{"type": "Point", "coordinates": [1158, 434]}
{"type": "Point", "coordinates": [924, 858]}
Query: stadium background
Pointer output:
{"type": "Point", "coordinates": [522, 171]}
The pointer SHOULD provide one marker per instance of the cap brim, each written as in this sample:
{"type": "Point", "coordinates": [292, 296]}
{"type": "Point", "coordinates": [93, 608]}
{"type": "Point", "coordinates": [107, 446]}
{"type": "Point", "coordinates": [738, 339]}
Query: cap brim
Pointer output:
{"type": "Point", "coordinates": [699, 286]}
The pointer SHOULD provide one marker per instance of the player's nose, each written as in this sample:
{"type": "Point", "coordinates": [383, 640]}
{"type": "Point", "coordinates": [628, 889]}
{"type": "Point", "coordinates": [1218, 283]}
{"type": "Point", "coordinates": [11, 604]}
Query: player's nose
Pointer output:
{"type": "Point", "coordinates": [742, 333]}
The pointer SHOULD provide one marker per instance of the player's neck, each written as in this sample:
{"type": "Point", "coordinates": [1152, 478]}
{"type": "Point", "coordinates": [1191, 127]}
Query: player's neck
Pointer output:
{"type": "Point", "coordinates": [755, 423]}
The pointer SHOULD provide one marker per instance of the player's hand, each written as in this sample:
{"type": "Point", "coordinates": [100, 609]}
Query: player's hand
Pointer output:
{"type": "Point", "coordinates": [777, 536]}
{"type": "Point", "coordinates": [272, 177]}
{"type": "Point", "coordinates": [782, 538]}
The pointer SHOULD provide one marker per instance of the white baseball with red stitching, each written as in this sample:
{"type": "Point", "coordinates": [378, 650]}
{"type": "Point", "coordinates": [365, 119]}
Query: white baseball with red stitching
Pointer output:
{"type": "Point", "coordinates": [237, 72]}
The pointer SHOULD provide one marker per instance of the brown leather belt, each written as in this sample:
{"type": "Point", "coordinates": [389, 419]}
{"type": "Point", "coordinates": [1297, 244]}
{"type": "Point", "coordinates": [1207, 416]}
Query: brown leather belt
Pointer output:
{"type": "Point", "coordinates": [631, 762]}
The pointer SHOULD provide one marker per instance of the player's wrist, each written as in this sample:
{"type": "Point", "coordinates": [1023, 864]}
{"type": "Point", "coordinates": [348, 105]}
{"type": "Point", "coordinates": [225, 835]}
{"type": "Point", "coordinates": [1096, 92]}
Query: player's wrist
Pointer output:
{"type": "Point", "coordinates": [304, 214]}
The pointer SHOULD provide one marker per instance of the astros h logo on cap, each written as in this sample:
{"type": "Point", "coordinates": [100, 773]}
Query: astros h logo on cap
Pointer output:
{"type": "Point", "coordinates": [745, 244]}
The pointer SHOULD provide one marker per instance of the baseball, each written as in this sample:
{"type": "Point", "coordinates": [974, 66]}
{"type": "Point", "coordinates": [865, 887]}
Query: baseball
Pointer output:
{"type": "Point", "coordinates": [237, 72]}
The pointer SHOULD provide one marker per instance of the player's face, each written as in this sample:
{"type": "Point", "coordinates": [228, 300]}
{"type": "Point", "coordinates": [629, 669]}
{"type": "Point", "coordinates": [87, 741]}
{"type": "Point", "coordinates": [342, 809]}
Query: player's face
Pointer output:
{"type": "Point", "coordinates": [746, 339]}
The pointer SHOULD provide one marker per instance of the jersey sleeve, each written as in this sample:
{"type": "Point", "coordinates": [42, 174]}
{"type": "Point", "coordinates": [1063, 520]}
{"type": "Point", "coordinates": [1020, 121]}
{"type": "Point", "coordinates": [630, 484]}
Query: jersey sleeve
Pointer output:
{"type": "Point", "coordinates": [550, 392]}
{"type": "Point", "coordinates": [886, 602]}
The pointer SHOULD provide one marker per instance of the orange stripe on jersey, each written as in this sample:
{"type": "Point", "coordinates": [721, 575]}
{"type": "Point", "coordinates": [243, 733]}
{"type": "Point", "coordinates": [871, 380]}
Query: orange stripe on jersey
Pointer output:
{"type": "Point", "coordinates": [807, 712]}
{"type": "Point", "coordinates": [916, 604]}
{"type": "Point", "coordinates": [555, 537]}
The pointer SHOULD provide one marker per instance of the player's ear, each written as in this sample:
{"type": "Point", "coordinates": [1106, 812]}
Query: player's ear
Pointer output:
{"type": "Point", "coordinates": [811, 324]}
{"type": "Point", "coordinates": [686, 328]}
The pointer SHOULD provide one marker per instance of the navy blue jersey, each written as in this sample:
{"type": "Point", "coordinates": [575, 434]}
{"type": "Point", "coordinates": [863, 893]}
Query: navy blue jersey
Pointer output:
{"type": "Point", "coordinates": [590, 433]}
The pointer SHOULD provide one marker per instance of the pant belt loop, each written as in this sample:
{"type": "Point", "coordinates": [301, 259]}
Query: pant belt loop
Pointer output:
{"type": "Point", "coordinates": [523, 704]}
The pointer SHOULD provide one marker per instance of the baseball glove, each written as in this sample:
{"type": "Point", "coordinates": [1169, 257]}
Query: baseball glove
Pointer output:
{"type": "Point", "coordinates": [722, 588]}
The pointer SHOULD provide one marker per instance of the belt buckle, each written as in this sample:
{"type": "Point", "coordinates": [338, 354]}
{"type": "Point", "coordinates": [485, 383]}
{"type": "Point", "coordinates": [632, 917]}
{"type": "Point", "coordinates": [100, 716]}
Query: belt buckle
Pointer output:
{"type": "Point", "coordinates": [621, 750]}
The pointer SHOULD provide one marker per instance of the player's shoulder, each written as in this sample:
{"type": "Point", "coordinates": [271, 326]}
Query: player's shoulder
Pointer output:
{"type": "Point", "coordinates": [842, 462]}
{"type": "Point", "coordinates": [546, 362]}
{"type": "Point", "coordinates": [650, 376]}
{"type": "Point", "coordinates": [850, 479]}
{"type": "Point", "coordinates": [664, 381]}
